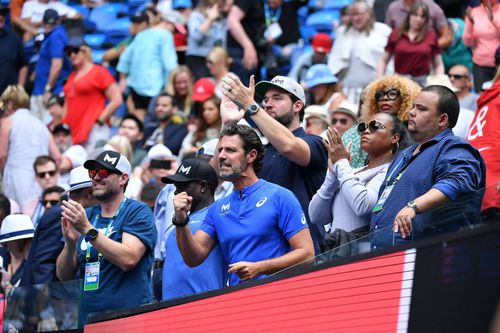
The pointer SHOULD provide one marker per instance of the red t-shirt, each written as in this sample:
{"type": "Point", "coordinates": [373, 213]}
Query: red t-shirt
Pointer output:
{"type": "Point", "coordinates": [413, 58]}
{"type": "Point", "coordinates": [85, 100]}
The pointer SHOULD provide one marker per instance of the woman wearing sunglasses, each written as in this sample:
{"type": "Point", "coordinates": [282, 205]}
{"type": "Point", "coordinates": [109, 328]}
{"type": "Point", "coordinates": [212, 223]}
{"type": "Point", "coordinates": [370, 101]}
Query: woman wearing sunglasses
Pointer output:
{"type": "Point", "coordinates": [348, 195]}
{"type": "Point", "coordinates": [392, 94]}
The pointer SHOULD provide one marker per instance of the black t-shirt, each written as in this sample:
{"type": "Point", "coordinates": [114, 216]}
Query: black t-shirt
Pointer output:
{"type": "Point", "coordinates": [12, 58]}
{"type": "Point", "coordinates": [253, 23]}
{"type": "Point", "coordinates": [289, 22]}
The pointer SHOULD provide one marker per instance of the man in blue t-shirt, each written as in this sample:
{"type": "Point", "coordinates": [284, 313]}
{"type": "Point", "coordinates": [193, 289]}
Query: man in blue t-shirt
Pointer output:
{"type": "Point", "coordinates": [260, 227]}
{"type": "Point", "coordinates": [197, 179]}
{"type": "Point", "coordinates": [111, 243]}
{"type": "Point", "coordinates": [295, 160]}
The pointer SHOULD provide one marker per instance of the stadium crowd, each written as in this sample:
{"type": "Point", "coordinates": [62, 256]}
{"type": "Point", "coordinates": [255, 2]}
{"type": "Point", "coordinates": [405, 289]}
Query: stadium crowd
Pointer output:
{"type": "Point", "coordinates": [226, 140]}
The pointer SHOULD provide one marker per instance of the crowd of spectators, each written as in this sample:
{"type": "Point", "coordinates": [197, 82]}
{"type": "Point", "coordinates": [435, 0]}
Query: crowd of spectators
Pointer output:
{"type": "Point", "coordinates": [369, 127]}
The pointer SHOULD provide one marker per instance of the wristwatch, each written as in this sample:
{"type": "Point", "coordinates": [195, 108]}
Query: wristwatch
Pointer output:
{"type": "Point", "coordinates": [252, 109]}
{"type": "Point", "coordinates": [174, 222]}
{"type": "Point", "coordinates": [412, 204]}
{"type": "Point", "coordinates": [91, 235]}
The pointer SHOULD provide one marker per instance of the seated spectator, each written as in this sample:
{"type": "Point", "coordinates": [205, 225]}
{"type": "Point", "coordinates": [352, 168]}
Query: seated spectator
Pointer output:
{"type": "Point", "coordinates": [394, 95]}
{"type": "Point", "coordinates": [415, 47]}
{"type": "Point", "coordinates": [357, 50]}
{"type": "Point", "coordinates": [16, 234]}
{"type": "Point", "coordinates": [55, 105]}
{"type": "Point", "coordinates": [51, 196]}
{"type": "Point", "coordinates": [72, 155]}
{"type": "Point", "coordinates": [207, 28]}
{"type": "Point", "coordinates": [324, 87]}
{"type": "Point", "coordinates": [132, 128]}
{"type": "Point", "coordinates": [218, 63]}
{"type": "Point", "coordinates": [321, 45]}
{"type": "Point", "coordinates": [86, 91]}
{"type": "Point", "coordinates": [348, 195]}
{"type": "Point", "coordinates": [22, 138]}
{"type": "Point", "coordinates": [398, 10]}
{"type": "Point", "coordinates": [316, 120]}
{"type": "Point", "coordinates": [168, 132]}
{"type": "Point", "coordinates": [180, 87]}
{"type": "Point", "coordinates": [344, 117]}
{"type": "Point", "coordinates": [457, 52]}
{"type": "Point", "coordinates": [460, 78]}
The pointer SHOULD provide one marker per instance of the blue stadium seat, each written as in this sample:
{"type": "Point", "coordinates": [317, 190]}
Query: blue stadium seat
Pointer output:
{"type": "Point", "coordinates": [104, 15]}
{"type": "Point", "coordinates": [95, 41]}
{"type": "Point", "coordinates": [97, 56]}
{"type": "Point", "coordinates": [323, 20]}
{"type": "Point", "coordinates": [117, 30]}
{"type": "Point", "coordinates": [82, 10]}
{"type": "Point", "coordinates": [307, 33]}
{"type": "Point", "coordinates": [328, 4]}
{"type": "Point", "coordinates": [5, 2]}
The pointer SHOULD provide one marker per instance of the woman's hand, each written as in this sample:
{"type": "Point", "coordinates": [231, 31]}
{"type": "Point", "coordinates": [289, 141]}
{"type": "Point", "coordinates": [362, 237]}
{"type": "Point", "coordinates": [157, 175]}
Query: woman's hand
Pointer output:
{"type": "Point", "coordinates": [334, 146]}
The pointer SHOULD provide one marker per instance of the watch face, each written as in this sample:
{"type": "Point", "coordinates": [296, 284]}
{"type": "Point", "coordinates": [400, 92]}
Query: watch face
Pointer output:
{"type": "Point", "coordinates": [253, 109]}
{"type": "Point", "coordinates": [92, 233]}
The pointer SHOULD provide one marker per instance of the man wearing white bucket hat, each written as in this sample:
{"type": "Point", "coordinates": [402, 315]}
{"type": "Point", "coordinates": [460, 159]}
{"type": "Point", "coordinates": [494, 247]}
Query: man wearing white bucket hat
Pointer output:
{"type": "Point", "coordinates": [47, 245]}
{"type": "Point", "coordinates": [15, 234]}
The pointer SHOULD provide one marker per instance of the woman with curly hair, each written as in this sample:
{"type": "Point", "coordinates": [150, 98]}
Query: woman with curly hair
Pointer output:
{"type": "Point", "coordinates": [393, 94]}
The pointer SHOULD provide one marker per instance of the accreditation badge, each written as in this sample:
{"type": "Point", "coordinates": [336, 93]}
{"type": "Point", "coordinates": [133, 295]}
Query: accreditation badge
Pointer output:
{"type": "Point", "coordinates": [381, 201]}
{"type": "Point", "coordinates": [91, 280]}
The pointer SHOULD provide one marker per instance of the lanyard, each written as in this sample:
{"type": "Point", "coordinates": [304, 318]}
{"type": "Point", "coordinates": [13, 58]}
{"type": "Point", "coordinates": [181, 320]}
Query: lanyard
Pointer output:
{"type": "Point", "coordinates": [271, 19]}
{"type": "Point", "coordinates": [106, 232]}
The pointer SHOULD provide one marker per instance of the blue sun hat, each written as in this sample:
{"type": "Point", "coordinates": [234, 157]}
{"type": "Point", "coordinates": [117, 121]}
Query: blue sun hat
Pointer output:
{"type": "Point", "coordinates": [319, 74]}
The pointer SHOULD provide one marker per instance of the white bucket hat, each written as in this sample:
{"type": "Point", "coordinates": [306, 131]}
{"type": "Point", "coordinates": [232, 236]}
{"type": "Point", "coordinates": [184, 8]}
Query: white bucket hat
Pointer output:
{"type": "Point", "coordinates": [17, 226]}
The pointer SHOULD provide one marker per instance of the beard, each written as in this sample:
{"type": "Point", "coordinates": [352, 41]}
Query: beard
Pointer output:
{"type": "Point", "coordinates": [285, 119]}
{"type": "Point", "coordinates": [233, 174]}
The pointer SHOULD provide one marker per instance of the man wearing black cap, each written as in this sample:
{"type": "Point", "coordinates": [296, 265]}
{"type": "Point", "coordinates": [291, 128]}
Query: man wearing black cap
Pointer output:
{"type": "Point", "coordinates": [112, 242]}
{"type": "Point", "coordinates": [195, 178]}
{"type": "Point", "coordinates": [52, 67]}
{"type": "Point", "coordinates": [13, 62]}
{"type": "Point", "coordinates": [72, 155]}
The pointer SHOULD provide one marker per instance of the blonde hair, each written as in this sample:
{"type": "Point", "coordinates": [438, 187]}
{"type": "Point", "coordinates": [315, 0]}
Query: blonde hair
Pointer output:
{"type": "Point", "coordinates": [16, 96]}
{"type": "Point", "coordinates": [87, 52]}
{"type": "Point", "coordinates": [171, 90]}
{"type": "Point", "coordinates": [220, 53]}
{"type": "Point", "coordinates": [408, 90]}
{"type": "Point", "coordinates": [122, 145]}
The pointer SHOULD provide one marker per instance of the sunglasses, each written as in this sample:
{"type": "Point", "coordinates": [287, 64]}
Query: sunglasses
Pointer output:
{"type": "Point", "coordinates": [373, 126]}
{"type": "Point", "coordinates": [103, 173]}
{"type": "Point", "coordinates": [44, 174]}
{"type": "Point", "coordinates": [70, 50]}
{"type": "Point", "coordinates": [51, 202]}
{"type": "Point", "coordinates": [391, 94]}
{"type": "Point", "coordinates": [342, 121]}
{"type": "Point", "coordinates": [457, 76]}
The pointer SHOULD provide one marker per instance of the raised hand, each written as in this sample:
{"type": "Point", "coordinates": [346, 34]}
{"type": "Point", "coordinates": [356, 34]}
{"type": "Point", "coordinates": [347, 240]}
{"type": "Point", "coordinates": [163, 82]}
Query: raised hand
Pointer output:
{"type": "Point", "coordinates": [182, 205]}
{"type": "Point", "coordinates": [334, 146]}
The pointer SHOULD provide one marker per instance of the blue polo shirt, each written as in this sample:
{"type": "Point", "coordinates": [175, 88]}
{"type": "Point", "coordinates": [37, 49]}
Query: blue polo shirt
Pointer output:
{"type": "Point", "coordinates": [254, 224]}
{"type": "Point", "coordinates": [304, 182]}
{"type": "Point", "coordinates": [447, 163]}
{"type": "Point", "coordinates": [52, 47]}
{"type": "Point", "coordinates": [180, 280]}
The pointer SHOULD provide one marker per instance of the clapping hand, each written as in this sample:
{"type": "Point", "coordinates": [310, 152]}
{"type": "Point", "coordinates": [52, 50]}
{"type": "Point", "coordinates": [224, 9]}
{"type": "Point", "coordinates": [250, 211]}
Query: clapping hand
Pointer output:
{"type": "Point", "coordinates": [334, 146]}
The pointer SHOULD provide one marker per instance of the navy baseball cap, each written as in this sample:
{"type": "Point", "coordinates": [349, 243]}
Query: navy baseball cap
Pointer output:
{"type": "Point", "coordinates": [193, 169]}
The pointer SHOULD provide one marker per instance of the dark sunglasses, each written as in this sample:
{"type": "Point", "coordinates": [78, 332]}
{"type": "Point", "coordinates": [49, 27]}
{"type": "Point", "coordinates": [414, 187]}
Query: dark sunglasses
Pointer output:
{"type": "Point", "coordinates": [51, 202]}
{"type": "Point", "coordinates": [160, 164]}
{"type": "Point", "coordinates": [457, 76]}
{"type": "Point", "coordinates": [373, 126]}
{"type": "Point", "coordinates": [44, 174]}
{"type": "Point", "coordinates": [391, 94]}
{"type": "Point", "coordinates": [342, 121]}
{"type": "Point", "coordinates": [103, 173]}
{"type": "Point", "coordinates": [70, 50]}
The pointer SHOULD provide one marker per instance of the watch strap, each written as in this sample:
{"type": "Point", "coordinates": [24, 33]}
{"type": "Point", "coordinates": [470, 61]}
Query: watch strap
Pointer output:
{"type": "Point", "coordinates": [185, 223]}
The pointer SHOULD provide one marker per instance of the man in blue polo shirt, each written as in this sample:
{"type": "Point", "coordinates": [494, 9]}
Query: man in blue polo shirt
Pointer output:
{"type": "Point", "coordinates": [260, 226]}
{"type": "Point", "coordinates": [293, 159]}
{"type": "Point", "coordinates": [440, 170]}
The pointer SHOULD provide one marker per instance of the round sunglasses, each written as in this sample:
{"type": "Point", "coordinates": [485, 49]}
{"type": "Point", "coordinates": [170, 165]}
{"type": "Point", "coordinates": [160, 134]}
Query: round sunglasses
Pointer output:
{"type": "Point", "coordinates": [373, 126]}
{"type": "Point", "coordinates": [391, 94]}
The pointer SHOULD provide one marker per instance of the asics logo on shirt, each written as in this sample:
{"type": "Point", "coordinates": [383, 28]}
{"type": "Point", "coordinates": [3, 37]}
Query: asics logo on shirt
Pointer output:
{"type": "Point", "coordinates": [261, 202]}
{"type": "Point", "coordinates": [303, 219]}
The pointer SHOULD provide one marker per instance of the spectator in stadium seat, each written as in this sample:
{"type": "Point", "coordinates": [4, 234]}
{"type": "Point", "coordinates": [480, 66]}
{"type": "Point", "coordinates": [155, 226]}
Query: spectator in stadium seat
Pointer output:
{"type": "Point", "coordinates": [244, 41]}
{"type": "Point", "coordinates": [218, 63]}
{"type": "Point", "coordinates": [112, 242]}
{"type": "Point", "coordinates": [22, 138]}
{"type": "Point", "coordinates": [398, 10]}
{"type": "Point", "coordinates": [393, 94]}
{"type": "Point", "coordinates": [272, 234]}
{"type": "Point", "coordinates": [132, 128]}
{"type": "Point", "coordinates": [415, 47]}
{"type": "Point", "coordinates": [440, 169]}
{"type": "Point", "coordinates": [324, 87]}
{"type": "Point", "coordinates": [180, 280]}
{"type": "Point", "coordinates": [316, 120]}
{"type": "Point", "coordinates": [344, 117]}
{"type": "Point", "coordinates": [207, 28]}
{"type": "Point", "coordinates": [482, 34]}
{"type": "Point", "coordinates": [321, 45]}
{"type": "Point", "coordinates": [294, 160]}
{"type": "Point", "coordinates": [55, 106]}
{"type": "Point", "coordinates": [180, 85]}
{"type": "Point", "coordinates": [357, 50]}
{"type": "Point", "coordinates": [145, 73]}
{"type": "Point", "coordinates": [460, 78]}
{"type": "Point", "coordinates": [86, 91]}
{"type": "Point", "coordinates": [348, 195]}
{"type": "Point", "coordinates": [52, 66]}
{"type": "Point", "coordinates": [13, 62]}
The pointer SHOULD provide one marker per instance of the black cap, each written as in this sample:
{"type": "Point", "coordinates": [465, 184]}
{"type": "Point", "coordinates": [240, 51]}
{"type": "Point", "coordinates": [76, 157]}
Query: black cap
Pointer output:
{"type": "Point", "coordinates": [62, 128]}
{"type": "Point", "coordinates": [193, 169]}
{"type": "Point", "coordinates": [140, 17]}
{"type": "Point", "coordinates": [50, 16]}
{"type": "Point", "coordinates": [110, 160]}
{"type": "Point", "coordinates": [75, 41]}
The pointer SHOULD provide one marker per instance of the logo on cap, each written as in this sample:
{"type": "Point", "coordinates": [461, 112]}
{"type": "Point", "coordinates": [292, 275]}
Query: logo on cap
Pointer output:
{"type": "Point", "coordinates": [110, 159]}
{"type": "Point", "coordinates": [185, 170]}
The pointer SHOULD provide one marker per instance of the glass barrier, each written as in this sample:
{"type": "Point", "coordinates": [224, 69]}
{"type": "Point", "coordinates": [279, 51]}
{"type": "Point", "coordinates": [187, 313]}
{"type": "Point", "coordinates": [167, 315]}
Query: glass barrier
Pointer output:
{"type": "Point", "coordinates": [39, 308]}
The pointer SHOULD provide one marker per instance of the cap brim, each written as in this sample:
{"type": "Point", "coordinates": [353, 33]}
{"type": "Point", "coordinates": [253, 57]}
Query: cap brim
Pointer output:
{"type": "Point", "coordinates": [92, 164]}
{"type": "Point", "coordinates": [28, 235]}
{"type": "Point", "coordinates": [78, 186]}
{"type": "Point", "coordinates": [263, 86]}
{"type": "Point", "coordinates": [176, 179]}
